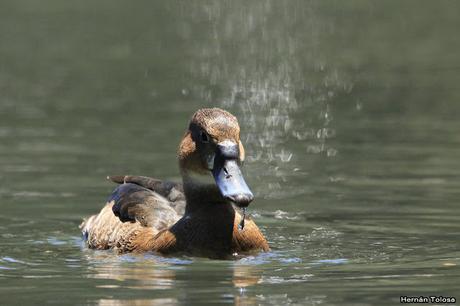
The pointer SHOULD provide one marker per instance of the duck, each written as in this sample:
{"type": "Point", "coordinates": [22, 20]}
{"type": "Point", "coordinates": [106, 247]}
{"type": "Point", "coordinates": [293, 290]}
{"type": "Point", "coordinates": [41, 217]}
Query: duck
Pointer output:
{"type": "Point", "coordinates": [202, 216]}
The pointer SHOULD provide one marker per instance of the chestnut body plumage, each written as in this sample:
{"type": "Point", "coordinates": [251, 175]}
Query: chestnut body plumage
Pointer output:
{"type": "Point", "coordinates": [196, 217]}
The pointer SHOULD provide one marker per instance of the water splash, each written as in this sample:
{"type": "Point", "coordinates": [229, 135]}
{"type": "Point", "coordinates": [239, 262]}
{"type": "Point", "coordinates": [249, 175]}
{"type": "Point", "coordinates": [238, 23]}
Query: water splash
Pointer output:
{"type": "Point", "coordinates": [247, 63]}
{"type": "Point", "coordinates": [241, 225]}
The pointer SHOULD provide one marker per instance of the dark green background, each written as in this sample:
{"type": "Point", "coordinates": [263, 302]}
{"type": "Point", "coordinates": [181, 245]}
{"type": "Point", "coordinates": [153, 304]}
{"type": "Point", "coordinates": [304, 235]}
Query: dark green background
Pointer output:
{"type": "Point", "coordinates": [349, 111]}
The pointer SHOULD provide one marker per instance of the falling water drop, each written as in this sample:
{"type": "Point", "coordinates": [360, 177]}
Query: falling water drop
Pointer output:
{"type": "Point", "coordinates": [241, 225]}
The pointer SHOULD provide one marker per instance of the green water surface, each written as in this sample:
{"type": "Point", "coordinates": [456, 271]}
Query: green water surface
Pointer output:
{"type": "Point", "coordinates": [350, 117]}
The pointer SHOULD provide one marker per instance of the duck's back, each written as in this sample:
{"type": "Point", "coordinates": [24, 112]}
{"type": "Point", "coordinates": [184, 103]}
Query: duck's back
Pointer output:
{"type": "Point", "coordinates": [136, 211]}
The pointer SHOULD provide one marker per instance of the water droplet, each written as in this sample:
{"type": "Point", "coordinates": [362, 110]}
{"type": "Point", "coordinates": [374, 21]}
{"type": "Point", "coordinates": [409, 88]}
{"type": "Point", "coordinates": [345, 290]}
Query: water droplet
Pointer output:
{"type": "Point", "coordinates": [241, 225]}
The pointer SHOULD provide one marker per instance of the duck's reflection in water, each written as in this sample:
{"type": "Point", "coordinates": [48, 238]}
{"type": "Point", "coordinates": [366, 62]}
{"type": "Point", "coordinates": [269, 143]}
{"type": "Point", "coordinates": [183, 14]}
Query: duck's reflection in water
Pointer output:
{"type": "Point", "coordinates": [171, 281]}
{"type": "Point", "coordinates": [245, 276]}
{"type": "Point", "coordinates": [130, 271]}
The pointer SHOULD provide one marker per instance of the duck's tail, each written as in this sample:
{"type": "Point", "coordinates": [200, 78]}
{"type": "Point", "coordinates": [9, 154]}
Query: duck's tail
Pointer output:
{"type": "Point", "coordinates": [85, 226]}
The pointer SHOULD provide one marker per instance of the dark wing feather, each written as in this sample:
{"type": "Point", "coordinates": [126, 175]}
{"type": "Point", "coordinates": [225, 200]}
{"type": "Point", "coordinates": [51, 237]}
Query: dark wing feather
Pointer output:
{"type": "Point", "coordinates": [172, 191]}
{"type": "Point", "coordinates": [133, 202]}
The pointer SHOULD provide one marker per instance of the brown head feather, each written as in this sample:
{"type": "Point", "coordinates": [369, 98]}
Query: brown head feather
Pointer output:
{"type": "Point", "coordinates": [219, 125]}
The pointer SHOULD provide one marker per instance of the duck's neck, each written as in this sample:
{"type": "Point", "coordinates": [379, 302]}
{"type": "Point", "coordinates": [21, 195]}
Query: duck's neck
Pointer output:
{"type": "Point", "coordinates": [202, 195]}
{"type": "Point", "coordinates": [209, 219]}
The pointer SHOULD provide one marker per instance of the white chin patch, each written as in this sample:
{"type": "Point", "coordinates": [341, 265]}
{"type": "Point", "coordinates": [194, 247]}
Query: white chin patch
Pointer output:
{"type": "Point", "coordinates": [202, 179]}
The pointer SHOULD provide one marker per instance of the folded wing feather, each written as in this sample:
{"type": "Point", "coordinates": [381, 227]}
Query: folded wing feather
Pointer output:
{"type": "Point", "coordinates": [138, 207]}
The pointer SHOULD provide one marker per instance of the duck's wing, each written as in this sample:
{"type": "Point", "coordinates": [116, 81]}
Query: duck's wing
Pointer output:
{"type": "Point", "coordinates": [134, 215]}
{"type": "Point", "coordinates": [172, 191]}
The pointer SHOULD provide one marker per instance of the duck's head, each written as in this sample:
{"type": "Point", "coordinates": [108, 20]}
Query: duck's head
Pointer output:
{"type": "Point", "coordinates": [210, 156]}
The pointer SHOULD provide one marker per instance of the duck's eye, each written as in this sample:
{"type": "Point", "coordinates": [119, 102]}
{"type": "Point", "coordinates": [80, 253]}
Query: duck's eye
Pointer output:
{"type": "Point", "coordinates": [204, 137]}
